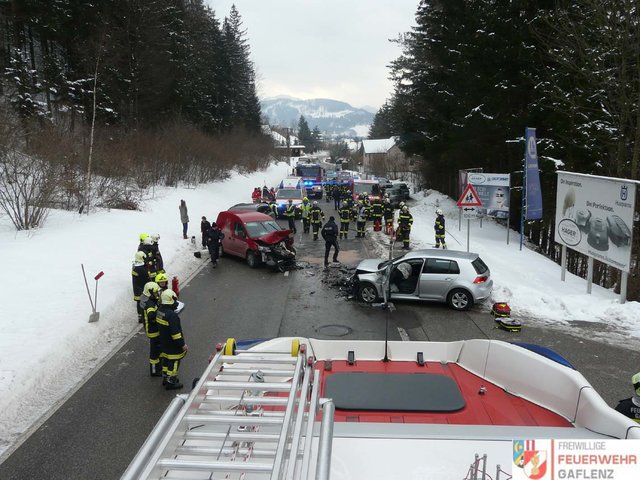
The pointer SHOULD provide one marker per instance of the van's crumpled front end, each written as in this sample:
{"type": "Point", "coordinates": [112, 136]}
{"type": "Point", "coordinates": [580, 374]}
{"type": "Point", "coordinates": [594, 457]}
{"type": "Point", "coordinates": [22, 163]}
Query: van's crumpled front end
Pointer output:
{"type": "Point", "coordinates": [277, 251]}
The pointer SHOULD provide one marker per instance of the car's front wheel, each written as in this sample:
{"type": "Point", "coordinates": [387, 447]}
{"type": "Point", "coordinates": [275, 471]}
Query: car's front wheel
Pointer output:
{"type": "Point", "coordinates": [252, 259]}
{"type": "Point", "coordinates": [367, 293]}
{"type": "Point", "coordinates": [460, 299]}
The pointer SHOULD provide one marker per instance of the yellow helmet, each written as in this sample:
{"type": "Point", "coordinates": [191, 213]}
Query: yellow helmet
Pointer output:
{"type": "Point", "coordinates": [143, 236]}
{"type": "Point", "coordinates": [168, 297]}
{"type": "Point", "coordinates": [305, 199]}
{"type": "Point", "coordinates": [161, 277]}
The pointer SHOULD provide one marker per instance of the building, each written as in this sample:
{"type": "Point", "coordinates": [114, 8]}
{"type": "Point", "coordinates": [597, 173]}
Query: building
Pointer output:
{"type": "Point", "coordinates": [380, 156]}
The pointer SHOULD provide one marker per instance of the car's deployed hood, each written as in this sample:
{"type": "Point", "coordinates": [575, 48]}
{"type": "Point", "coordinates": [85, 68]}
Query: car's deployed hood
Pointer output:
{"type": "Point", "coordinates": [274, 237]}
{"type": "Point", "coordinates": [370, 265]}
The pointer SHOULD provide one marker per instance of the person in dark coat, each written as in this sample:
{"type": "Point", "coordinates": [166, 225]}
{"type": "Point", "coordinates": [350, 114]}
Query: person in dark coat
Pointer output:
{"type": "Point", "coordinates": [336, 196]}
{"type": "Point", "coordinates": [184, 218]}
{"type": "Point", "coordinates": [172, 342]}
{"type": "Point", "coordinates": [204, 227]}
{"type": "Point", "coordinates": [214, 237]}
{"type": "Point", "coordinates": [330, 234]}
{"type": "Point", "coordinates": [630, 407]}
{"type": "Point", "coordinates": [158, 262]}
{"type": "Point", "coordinates": [139, 278]}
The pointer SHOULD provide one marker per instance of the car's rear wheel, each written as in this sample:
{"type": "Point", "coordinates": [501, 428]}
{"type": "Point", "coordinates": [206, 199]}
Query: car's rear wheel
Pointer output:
{"type": "Point", "coordinates": [460, 299]}
{"type": "Point", "coordinates": [252, 259]}
{"type": "Point", "coordinates": [367, 293]}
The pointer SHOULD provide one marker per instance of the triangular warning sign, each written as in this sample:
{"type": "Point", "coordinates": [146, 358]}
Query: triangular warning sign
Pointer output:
{"type": "Point", "coordinates": [469, 198]}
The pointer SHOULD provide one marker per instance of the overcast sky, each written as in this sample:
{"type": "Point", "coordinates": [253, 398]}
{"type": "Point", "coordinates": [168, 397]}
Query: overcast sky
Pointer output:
{"type": "Point", "coordinates": [336, 49]}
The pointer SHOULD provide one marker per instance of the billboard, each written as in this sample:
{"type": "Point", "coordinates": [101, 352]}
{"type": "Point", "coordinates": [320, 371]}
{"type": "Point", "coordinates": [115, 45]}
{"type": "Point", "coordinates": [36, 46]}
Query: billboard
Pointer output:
{"type": "Point", "coordinates": [533, 194]}
{"type": "Point", "coordinates": [493, 190]}
{"type": "Point", "coordinates": [594, 216]}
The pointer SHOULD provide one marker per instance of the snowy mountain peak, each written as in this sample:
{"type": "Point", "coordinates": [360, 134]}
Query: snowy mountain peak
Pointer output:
{"type": "Point", "coordinates": [332, 117]}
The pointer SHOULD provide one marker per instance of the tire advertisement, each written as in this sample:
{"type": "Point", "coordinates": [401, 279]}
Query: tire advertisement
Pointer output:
{"type": "Point", "coordinates": [594, 216]}
{"type": "Point", "coordinates": [493, 191]}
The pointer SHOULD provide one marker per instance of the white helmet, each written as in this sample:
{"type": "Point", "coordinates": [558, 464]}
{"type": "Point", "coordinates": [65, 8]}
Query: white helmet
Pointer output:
{"type": "Point", "coordinates": [439, 211]}
{"type": "Point", "coordinates": [155, 237]}
{"type": "Point", "coordinates": [168, 297]}
{"type": "Point", "coordinates": [139, 258]}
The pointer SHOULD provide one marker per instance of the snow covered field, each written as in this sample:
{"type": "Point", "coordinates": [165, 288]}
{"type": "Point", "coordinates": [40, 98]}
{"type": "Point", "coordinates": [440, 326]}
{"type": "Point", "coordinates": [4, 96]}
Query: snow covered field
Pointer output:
{"type": "Point", "coordinates": [48, 344]}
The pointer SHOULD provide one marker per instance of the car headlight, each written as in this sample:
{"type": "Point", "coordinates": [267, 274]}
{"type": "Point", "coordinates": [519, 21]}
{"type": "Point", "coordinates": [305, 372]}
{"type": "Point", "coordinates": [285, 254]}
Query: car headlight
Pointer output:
{"type": "Point", "coordinates": [263, 249]}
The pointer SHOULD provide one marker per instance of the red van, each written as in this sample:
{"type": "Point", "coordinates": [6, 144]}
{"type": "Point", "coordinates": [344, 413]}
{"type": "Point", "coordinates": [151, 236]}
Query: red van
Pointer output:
{"type": "Point", "coordinates": [257, 238]}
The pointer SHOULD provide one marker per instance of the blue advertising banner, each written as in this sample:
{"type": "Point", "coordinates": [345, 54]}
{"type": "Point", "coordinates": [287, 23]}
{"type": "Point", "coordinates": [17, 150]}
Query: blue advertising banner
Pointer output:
{"type": "Point", "coordinates": [533, 207]}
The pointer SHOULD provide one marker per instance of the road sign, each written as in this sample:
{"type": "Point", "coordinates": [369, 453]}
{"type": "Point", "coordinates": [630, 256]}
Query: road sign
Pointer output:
{"type": "Point", "coordinates": [469, 198]}
{"type": "Point", "coordinates": [470, 213]}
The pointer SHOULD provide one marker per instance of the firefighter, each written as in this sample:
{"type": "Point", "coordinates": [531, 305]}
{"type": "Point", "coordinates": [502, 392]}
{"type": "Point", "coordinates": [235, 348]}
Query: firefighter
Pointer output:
{"type": "Point", "coordinates": [290, 213]}
{"type": "Point", "coordinates": [345, 217]}
{"type": "Point", "coordinates": [158, 262]}
{"type": "Point", "coordinates": [149, 303]}
{"type": "Point", "coordinates": [361, 220]}
{"type": "Point", "coordinates": [146, 247]}
{"type": "Point", "coordinates": [405, 220]}
{"type": "Point", "coordinates": [388, 216]}
{"type": "Point", "coordinates": [163, 281]}
{"type": "Point", "coordinates": [631, 406]}
{"type": "Point", "coordinates": [172, 341]}
{"type": "Point", "coordinates": [317, 217]}
{"type": "Point", "coordinates": [305, 208]}
{"type": "Point", "coordinates": [438, 226]}
{"type": "Point", "coordinates": [139, 276]}
{"type": "Point", "coordinates": [367, 206]}
{"type": "Point", "coordinates": [376, 213]}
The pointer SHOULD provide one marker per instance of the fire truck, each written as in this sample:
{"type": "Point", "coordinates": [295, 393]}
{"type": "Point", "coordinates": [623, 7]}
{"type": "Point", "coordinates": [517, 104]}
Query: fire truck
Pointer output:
{"type": "Point", "coordinates": [312, 176]}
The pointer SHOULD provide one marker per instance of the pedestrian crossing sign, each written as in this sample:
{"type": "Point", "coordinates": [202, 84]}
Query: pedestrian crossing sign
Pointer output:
{"type": "Point", "coordinates": [469, 198]}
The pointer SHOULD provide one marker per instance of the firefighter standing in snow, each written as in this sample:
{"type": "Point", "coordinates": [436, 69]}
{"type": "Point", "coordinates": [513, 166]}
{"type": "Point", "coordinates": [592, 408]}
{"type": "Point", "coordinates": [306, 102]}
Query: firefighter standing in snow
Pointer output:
{"type": "Point", "coordinates": [405, 220]}
{"type": "Point", "coordinates": [317, 216]}
{"type": "Point", "coordinates": [305, 208]}
{"type": "Point", "coordinates": [139, 277]}
{"type": "Point", "coordinates": [439, 229]}
{"type": "Point", "coordinates": [149, 303]}
{"type": "Point", "coordinates": [174, 347]}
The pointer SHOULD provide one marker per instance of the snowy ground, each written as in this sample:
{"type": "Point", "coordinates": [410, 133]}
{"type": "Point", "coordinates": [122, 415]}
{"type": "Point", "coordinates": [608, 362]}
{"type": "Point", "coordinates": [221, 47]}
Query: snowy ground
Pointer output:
{"type": "Point", "coordinates": [48, 344]}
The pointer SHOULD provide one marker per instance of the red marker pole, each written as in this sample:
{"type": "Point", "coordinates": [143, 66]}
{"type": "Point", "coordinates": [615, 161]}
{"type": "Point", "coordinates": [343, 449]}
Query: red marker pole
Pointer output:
{"type": "Point", "coordinates": [96, 278]}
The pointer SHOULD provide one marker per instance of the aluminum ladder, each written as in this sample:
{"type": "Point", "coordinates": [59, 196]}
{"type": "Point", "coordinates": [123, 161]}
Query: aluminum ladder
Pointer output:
{"type": "Point", "coordinates": [250, 416]}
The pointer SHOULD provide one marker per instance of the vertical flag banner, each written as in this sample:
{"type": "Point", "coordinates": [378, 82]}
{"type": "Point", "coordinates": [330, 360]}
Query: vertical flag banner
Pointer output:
{"type": "Point", "coordinates": [533, 192]}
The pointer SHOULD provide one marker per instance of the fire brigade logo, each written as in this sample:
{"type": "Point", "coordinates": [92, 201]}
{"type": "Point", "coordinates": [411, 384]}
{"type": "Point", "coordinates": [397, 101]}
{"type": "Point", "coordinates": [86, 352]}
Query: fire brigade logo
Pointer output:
{"type": "Point", "coordinates": [531, 460]}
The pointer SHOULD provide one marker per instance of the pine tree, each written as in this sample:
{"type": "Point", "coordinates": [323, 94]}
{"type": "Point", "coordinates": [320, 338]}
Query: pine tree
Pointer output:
{"type": "Point", "coordinates": [304, 134]}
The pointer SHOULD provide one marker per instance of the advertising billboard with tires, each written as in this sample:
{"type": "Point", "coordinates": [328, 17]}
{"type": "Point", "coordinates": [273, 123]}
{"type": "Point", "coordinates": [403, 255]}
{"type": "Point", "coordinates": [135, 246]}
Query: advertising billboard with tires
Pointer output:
{"type": "Point", "coordinates": [594, 216]}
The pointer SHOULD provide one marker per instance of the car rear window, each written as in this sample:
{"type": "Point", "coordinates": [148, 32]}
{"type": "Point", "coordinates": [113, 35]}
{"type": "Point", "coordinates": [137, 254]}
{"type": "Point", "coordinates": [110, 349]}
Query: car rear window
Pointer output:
{"type": "Point", "coordinates": [292, 193]}
{"type": "Point", "coordinates": [439, 265]}
{"type": "Point", "coordinates": [479, 266]}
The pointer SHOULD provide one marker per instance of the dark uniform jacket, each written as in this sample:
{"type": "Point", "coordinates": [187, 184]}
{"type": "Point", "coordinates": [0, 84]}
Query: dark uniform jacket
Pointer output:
{"type": "Point", "coordinates": [213, 238]}
{"type": "Point", "coordinates": [139, 277]}
{"type": "Point", "coordinates": [630, 409]}
{"type": "Point", "coordinates": [170, 330]}
{"type": "Point", "coordinates": [405, 220]}
{"type": "Point", "coordinates": [316, 214]}
{"type": "Point", "coordinates": [204, 226]}
{"type": "Point", "coordinates": [439, 225]}
{"type": "Point", "coordinates": [330, 231]}
{"type": "Point", "coordinates": [345, 214]}
{"type": "Point", "coordinates": [150, 307]}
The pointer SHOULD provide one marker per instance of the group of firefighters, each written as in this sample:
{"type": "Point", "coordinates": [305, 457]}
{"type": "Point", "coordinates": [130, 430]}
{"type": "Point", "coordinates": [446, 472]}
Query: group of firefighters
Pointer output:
{"type": "Point", "coordinates": [156, 304]}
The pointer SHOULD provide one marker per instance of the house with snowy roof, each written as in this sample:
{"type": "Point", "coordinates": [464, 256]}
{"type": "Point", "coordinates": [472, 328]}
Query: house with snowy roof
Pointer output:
{"type": "Point", "coordinates": [380, 156]}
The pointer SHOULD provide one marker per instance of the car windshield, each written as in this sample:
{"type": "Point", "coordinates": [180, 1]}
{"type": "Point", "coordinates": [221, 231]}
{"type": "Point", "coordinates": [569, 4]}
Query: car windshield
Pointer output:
{"type": "Point", "coordinates": [257, 229]}
{"type": "Point", "coordinates": [386, 263]}
{"type": "Point", "coordinates": [308, 171]}
{"type": "Point", "coordinates": [289, 193]}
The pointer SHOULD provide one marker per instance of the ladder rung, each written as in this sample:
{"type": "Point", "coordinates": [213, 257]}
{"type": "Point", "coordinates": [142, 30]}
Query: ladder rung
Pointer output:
{"type": "Point", "coordinates": [259, 359]}
{"type": "Point", "coordinates": [234, 420]}
{"type": "Point", "coordinates": [226, 451]}
{"type": "Point", "coordinates": [251, 400]}
{"type": "Point", "coordinates": [232, 436]}
{"type": "Point", "coordinates": [196, 465]}
{"type": "Point", "coordinates": [248, 371]}
{"type": "Point", "coordinates": [266, 386]}
{"type": "Point", "coordinates": [234, 413]}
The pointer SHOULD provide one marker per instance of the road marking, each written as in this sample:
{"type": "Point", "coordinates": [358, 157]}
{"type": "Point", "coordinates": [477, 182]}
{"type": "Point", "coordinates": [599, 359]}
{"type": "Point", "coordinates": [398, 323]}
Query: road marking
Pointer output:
{"type": "Point", "coordinates": [286, 274]}
{"type": "Point", "coordinates": [403, 334]}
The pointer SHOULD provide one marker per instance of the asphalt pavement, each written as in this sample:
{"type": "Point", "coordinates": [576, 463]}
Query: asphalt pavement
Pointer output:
{"type": "Point", "coordinates": [98, 430]}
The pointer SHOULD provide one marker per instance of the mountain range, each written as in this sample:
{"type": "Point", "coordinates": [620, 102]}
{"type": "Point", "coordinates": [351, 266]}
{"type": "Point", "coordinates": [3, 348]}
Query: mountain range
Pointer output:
{"type": "Point", "coordinates": [332, 117]}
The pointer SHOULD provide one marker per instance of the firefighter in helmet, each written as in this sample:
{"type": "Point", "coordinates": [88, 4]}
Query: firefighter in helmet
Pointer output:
{"type": "Point", "coordinates": [317, 216]}
{"type": "Point", "coordinates": [139, 277]}
{"type": "Point", "coordinates": [631, 406]}
{"type": "Point", "coordinates": [149, 303]}
{"type": "Point", "coordinates": [172, 341]}
{"type": "Point", "coordinates": [405, 220]}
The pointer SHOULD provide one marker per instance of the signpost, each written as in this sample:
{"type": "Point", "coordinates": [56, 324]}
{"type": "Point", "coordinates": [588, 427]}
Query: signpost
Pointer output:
{"type": "Point", "coordinates": [468, 202]}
